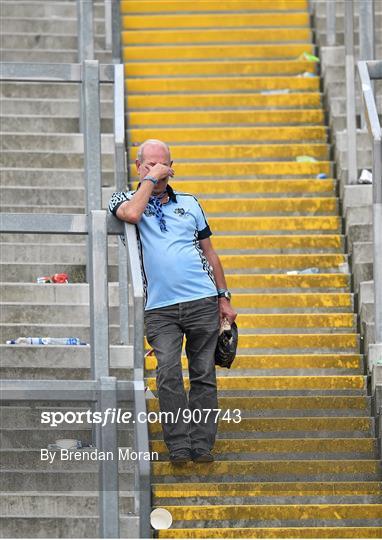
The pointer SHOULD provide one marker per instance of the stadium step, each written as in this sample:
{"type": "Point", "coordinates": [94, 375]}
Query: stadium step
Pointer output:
{"type": "Point", "coordinates": [228, 85]}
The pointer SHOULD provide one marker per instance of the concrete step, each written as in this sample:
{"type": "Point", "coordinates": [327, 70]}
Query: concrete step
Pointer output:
{"type": "Point", "coordinates": [218, 101]}
{"type": "Point", "coordinates": [268, 515]}
{"type": "Point", "coordinates": [335, 55]}
{"type": "Point", "coordinates": [282, 532]}
{"type": "Point", "coordinates": [282, 448]}
{"type": "Point", "coordinates": [302, 364]}
{"type": "Point", "coordinates": [219, 67]}
{"type": "Point", "coordinates": [244, 302]}
{"type": "Point", "coordinates": [43, 9]}
{"type": "Point", "coordinates": [248, 170]}
{"type": "Point", "coordinates": [28, 273]}
{"type": "Point", "coordinates": [320, 8]}
{"type": "Point", "coordinates": [359, 215]}
{"type": "Point", "coordinates": [54, 178]}
{"type": "Point", "coordinates": [244, 152]}
{"type": "Point", "coordinates": [279, 244]}
{"type": "Point", "coordinates": [231, 134]}
{"type": "Point", "coordinates": [218, 19]}
{"type": "Point", "coordinates": [149, 7]}
{"type": "Point", "coordinates": [266, 492]}
{"type": "Point", "coordinates": [288, 427]}
{"type": "Point", "coordinates": [203, 84]}
{"type": "Point", "coordinates": [48, 41]}
{"type": "Point", "coordinates": [285, 383]}
{"type": "Point", "coordinates": [270, 283]}
{"type": "Point", "coordinates": [56, 314]}
{"type": "Point", "coordinates": [65, 356]}
{"type": "Point", "coordinates": [49, 56]}
{"type": "Point", "coordinates": [359, 232]}
{"type": "Point", "coordinates": [47, 124]}
{"type": "Point", "coordinates": [338, 105]}
{"type": "Point", "coordinates": [48, 503]}
{"type": "Point", "coordinates": [51, 90]}
{"type": "Point", "coordinates": [215, 52]}
{"type": "Point", "coordinates": [49, 107]}
{"type": "Point", "coordinates": [73, 142]}
{"type": "Point", "coordinates": [243, 255]}
{"type": "Point", "coordinates": [286, 187]}
{"type": "Point", "coordinates": [259, 427]}
{"type": "Point", "coordinates": [227, 117]}
{"type": "Point", "coordinates": [357, 195]}
{"type": "Point", "coordinates": [68, 293]}
{"type": "Point", "coordinates": [30, 460]}
{"type": "Point", "coordinates": [63, 526]}
{"type": "Point", "coordinates": [237, 264]}
{"type": "Point", "coordinates": [323, 206]}
{"type": "Point", "coordinates": [50, 160]}
{"type": "Point", "coordinates": [45, 196]}
{"type": "Point", "coordinates": [294, 470]}
{"type": "Point", "coordinates": [65, 480]}
{"type": "Point", "coordinates": [46, 25]}
{"type": "Point", "coordinates": [214, 35]}
{"type": "Point", "coordinates": [320, 23]}
{"type": "Point", "coordinates": [67, 253]}
{"type": "Point", "coordinates": [27, 438]}
{"type": "Point", "coordinates": [274, 342]}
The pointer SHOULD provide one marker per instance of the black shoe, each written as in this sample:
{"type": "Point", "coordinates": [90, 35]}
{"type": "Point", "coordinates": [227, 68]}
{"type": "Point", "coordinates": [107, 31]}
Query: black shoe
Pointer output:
{"type": "Point", "coordinates": [181, 456]}
{"type": "Point", "coordinates": [201, 456]}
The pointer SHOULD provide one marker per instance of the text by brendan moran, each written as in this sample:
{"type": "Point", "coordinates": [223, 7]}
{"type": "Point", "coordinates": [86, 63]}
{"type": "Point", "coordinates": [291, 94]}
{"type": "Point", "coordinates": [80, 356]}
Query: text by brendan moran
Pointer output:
{"type": "Point", "coordinates": [124, 454]}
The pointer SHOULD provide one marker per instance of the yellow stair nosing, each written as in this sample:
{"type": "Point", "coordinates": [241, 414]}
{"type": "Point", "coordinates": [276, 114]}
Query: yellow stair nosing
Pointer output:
{"type": "Point", "coordinates": [273, 532]}
{"type": "Point", "coordinates": [215, 20]}
{"type": "Point", "coordinates": [146, 6]}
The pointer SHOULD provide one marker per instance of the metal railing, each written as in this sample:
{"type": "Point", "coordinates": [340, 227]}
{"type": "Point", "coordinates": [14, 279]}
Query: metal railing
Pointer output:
{"type": "Point", "coordinates": [369, 71]}
{"type": "Point", "coordinates": [113, 29]}
{"type": "Point", "coordinates": [366, 52]}
{"type": "Point", "coordinates": [85, 29]}
{"type": "Point", "coordinates": [104, 391]}
{"type": "Point", "coordinates": [85, 34]}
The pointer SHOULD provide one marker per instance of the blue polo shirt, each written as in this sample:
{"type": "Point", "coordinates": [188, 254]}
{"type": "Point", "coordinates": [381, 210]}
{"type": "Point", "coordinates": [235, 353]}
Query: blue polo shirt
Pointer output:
{"type": "Point", "coordinates": [174, 268]}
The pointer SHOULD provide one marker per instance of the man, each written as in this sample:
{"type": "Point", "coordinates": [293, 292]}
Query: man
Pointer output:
{"type": "Point", "coordinates": [185, 294]}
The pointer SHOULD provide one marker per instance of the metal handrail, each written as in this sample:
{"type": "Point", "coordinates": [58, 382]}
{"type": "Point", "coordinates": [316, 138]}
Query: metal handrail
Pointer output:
{"type": "Point", "coordinates": [367, 72]}
{"type": "Point", "coordinates": [143, 483]}
{"type": "Point", "coordinates": [351, 127]}
{"type": "Point", "coordinates": [97, 225]}
{"type": "Point", "coordinates": [113, 29]}
{"type": "Point", "coordinates": [367, 52]}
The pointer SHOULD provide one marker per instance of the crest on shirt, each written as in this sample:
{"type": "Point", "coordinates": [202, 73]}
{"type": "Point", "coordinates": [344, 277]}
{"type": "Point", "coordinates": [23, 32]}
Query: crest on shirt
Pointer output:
{"type": "Point", "coordinates": [180, 211]}
{"type": "Point", "coordinates": [149, 211]}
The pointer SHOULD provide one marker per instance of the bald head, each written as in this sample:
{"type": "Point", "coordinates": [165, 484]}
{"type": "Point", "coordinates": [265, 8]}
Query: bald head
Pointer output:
{"type": "Point", "coordinates": [152, 144]}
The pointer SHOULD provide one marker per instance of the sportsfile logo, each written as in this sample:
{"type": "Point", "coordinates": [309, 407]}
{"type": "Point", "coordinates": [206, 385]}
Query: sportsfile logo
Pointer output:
{"type": "Point", "coordinates": [119, 416]}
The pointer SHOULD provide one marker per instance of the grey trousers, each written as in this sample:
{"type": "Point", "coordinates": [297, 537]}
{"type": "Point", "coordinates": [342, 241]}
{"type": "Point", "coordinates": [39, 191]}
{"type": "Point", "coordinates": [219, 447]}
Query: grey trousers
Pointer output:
{"type": "Point", "coordinates": [165, 327]}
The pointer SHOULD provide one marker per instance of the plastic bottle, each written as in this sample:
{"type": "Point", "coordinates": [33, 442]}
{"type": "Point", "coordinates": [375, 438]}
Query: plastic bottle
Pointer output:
{"type": "Point", "coordinates": [312, 270]}
{"type": "Point", "coordinates": [46, 341]}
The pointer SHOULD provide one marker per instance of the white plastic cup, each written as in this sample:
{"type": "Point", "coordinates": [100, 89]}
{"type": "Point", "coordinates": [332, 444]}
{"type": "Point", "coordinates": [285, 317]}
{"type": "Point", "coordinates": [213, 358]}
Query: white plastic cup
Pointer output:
{"type": "Point", "coordinates": [160, 518]}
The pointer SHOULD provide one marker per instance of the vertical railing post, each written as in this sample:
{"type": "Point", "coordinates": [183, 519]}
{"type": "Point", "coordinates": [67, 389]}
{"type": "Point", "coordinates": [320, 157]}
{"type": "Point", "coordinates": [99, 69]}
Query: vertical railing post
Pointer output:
{"type": "Point", "coordinates": [330, 23]}
{"type": "Point", "coordinates": [108, 469]}
{"type": "Point", "coordinates": [142, 475]}
{"type": "Point", "coordinates": [92, 134]}
{"type": "Point", "coordinates": [108, 25]}
{"type": "Point", "coordinates": [98, 295]}
{"type": "Point", "coordinates": [116, 31]}
{"type": "Point", "coordinates": [351, 128]}
{"type": "Point", "coordinates": [377, 237]}
{"type": "Point", "coordinates": [92, 137]}
{"type": "Point", "coordinates": [85, 37]}
{"type": "Point", "coordinates": [120, 182]}
{"type": "Point", "coordinates": [98, 302]}
{"type": "Point", "coordinates": [366, 38]}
